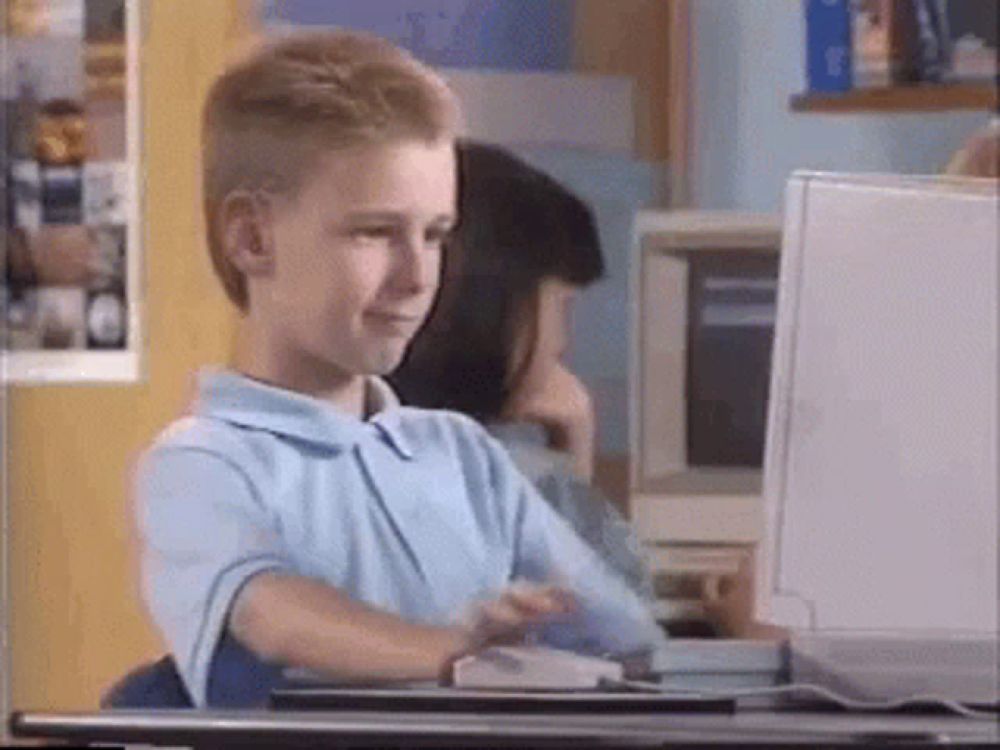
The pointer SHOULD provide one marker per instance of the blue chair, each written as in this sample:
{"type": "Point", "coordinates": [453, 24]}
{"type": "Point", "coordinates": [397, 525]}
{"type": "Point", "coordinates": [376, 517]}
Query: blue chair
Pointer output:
{"type": "Point", "coordinates": [237, 679]}
{"type": "Point", "coordinates": [155, 685]}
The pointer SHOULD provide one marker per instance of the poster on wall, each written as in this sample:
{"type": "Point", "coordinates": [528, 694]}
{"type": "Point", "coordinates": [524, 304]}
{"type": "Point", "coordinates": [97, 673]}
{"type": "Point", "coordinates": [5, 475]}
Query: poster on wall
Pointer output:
{"type": "Point", "coordinates": [70, 203]}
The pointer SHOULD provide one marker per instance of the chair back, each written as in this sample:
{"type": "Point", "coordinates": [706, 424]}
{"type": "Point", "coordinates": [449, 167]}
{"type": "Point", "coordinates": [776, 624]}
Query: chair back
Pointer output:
{"type": "Point", "coordinates": [154, 685]}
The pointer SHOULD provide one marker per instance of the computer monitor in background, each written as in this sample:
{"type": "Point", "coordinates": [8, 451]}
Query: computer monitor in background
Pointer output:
{"type": "Point", "coordinates": [880, 475]}
{"type": "Point", "coordinates": [703, 293]}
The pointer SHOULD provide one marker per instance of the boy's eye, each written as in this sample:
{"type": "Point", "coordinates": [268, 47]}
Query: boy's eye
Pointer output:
{"type": "Point", "coordinates": [438, 235]}
{"type": "Point", "coordinates": [373, 233]}
{"type": "Point", "coordinates": [434, 237]}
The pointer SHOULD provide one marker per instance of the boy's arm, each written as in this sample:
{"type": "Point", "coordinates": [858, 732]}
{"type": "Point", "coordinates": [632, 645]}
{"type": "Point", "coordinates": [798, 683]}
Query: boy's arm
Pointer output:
{"type": "Point", "coordinates": [598, 522]}
{"type": "Point", "coordinates": [610, 617]}
{"type": "Point", "coordinates": [213, 558]}
{"type": "Point", "coordinates": [302, 622]}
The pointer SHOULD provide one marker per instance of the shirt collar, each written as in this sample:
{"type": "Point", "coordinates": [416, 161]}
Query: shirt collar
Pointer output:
{"type": "Point", "coordinates": [242, 401]}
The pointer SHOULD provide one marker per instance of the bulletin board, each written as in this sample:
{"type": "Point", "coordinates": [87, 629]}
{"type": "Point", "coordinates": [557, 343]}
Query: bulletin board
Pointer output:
{"type": "Point", "coordinates": [71, 203]}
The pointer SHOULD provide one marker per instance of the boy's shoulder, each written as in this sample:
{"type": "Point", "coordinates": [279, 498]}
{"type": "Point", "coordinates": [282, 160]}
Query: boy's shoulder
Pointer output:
{"type": "Point", "coordinates": [192, 431]}
{"type": "Point", "coordinates": [437, 437]}
{"type": "Point", "coordinates": [201, 434]}
{"type": "Point", "coordinates": [437, 422]}
{"type": "Point", "coordinates": [442, 428]}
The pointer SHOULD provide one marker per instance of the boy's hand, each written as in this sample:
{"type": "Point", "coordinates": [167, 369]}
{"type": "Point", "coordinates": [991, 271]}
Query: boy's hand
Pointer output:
{"type": "Point", "coordinates": [508, 618]}
{"type": "Point", "coordinates": [505, 620]}
{"type": "Point", "coordinates": [558, 401]}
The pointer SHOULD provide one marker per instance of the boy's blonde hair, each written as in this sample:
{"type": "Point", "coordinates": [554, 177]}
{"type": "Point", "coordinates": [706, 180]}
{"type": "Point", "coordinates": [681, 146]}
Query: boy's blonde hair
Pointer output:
{"type": "Point", "coordinates": [268, 119]}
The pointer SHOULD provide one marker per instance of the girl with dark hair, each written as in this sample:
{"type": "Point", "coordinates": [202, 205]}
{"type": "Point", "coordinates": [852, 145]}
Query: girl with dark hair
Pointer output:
{"type": "Point", "coordinates": [493, 347]}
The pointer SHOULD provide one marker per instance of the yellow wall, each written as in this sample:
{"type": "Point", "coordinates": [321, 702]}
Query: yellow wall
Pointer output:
{"type": "Point", "coordinates": [76, 622]}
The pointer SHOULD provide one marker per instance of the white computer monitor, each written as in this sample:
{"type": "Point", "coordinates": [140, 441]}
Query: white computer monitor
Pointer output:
{"type": "Point", "coordinates": [880, 478]}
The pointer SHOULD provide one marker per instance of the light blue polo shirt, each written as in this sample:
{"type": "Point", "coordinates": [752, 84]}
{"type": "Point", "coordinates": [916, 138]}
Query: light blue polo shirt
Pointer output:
{"type": "Point", "coordinates": [414, 511]}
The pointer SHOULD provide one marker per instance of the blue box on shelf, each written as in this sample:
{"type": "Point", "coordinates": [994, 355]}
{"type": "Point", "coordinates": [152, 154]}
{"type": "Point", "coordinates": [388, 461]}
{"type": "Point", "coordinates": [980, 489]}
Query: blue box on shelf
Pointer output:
{"type": "Point", "coordinates": [828, 45]}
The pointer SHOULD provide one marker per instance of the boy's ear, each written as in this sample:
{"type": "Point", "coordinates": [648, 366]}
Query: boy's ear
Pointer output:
{"type": "Point", "coordinates": [246, 232]}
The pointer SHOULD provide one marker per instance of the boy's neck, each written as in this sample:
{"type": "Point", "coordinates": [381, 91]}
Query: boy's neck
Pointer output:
{"type": "Point", "coordinates": [345, 391]}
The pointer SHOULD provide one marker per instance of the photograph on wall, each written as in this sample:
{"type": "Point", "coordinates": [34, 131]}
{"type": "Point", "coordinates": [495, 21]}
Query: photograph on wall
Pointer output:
{"type": "Point", "coordinates": [70, 202]}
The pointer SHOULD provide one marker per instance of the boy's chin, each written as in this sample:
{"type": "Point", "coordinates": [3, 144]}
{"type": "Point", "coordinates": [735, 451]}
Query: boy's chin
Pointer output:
{"type": "Point", "coordinates": [384, 362]}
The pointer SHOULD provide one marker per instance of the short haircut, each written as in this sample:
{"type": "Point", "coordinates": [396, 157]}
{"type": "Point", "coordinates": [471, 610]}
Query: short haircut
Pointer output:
{"type": "Point", "coordinates": [517, 227]}
{"type": "Point", "coordinates": [268, 119]}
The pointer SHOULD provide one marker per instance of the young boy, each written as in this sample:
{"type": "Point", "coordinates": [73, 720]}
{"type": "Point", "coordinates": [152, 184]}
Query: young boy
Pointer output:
{"type": "Point", "coordinates": [300, 517]}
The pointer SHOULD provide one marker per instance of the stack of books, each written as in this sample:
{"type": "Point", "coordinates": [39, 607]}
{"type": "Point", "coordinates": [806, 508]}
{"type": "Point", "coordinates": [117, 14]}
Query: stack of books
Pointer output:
{"type": "Point", "coordinates": [855, 44]}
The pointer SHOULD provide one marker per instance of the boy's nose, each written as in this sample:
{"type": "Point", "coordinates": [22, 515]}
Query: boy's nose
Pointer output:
{"type": "Point", "coordinates": [416, 264]}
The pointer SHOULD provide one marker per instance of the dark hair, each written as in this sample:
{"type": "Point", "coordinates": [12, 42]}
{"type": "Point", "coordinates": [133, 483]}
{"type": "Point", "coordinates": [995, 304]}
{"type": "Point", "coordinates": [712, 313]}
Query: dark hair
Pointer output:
{"type": "Point", "coordinates": [517, 226]}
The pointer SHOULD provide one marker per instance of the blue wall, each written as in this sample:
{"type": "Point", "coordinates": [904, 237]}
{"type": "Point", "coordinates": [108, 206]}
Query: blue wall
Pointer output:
{"type": "Point", "coordinates": [749, 59]}
{"type": "Point", "coordinates": [532, 35]}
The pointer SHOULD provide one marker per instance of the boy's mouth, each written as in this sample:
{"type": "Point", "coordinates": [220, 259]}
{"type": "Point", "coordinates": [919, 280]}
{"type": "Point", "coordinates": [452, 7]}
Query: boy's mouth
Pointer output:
{"type": "Point", "coordinates": [399, 323]}
{"type": "Point", "coordinates": [393, 316]}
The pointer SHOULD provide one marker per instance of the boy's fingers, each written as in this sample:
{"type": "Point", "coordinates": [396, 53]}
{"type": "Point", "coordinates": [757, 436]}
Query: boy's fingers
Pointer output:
{"type": "Point", "coordinates": [562, 598]}
{"type": "Point", "coordinates": [516, 610]}
{"type": "Point", "coordinates": [534, 604]}
{"type": "Point", "coordinates": [502, 613]}
{"type": "Point", "coordinates": [543, 599]}
{"type": "Point", "coordinates": [519, 609]}
{"type": "Point", "coordinates": [499, 623]}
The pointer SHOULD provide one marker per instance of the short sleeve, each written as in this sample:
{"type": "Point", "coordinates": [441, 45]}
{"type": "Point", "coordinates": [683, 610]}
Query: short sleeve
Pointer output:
{"type": "Point", "coordinates": [611, 617]}
{"type": "Point", "coordinates": [204, 533]}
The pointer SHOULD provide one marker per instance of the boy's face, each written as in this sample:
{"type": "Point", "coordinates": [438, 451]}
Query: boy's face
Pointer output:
{"type": "Point", "coordinates": [357, 258]}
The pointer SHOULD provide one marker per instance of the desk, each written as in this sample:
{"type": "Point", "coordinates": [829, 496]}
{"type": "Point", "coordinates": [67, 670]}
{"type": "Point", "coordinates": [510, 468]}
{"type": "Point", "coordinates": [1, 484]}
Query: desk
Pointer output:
{"type": "Point", "coordinates": [378, 729]}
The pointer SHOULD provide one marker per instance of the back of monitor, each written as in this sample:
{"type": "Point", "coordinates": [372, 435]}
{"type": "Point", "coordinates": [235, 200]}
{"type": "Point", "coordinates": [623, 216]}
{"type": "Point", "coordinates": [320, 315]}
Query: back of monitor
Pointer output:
{"type": "Point", "coordinates": [880, 478]}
